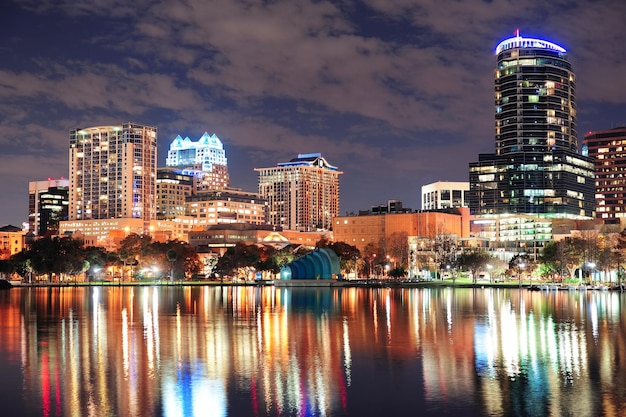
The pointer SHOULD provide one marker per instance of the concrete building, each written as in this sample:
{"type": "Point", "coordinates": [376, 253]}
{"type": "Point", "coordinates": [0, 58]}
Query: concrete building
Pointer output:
{"type": "Point", "coordinates": [173, 187]}
{"type": "Point", "coordinates": [608, 148]}
{"type": "Point", "coordinates": [444, 195]}
{"type": "Point", "coordinates": [226, 207]}
{"type": "Point", "coordinates": [536, 168]}
{"type": "Point", "coordinates": [12, 241]}
{"type": "Point", "coordinates": [302, 194]}
{"type": "Point", "coordinates": [113, 172]}
{"type": "Point", "coordinates": [375, 229]}
{"type": "Point", "coordinates": [48, 203]}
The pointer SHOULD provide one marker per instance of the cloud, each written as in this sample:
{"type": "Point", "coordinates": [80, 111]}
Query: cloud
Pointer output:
{"type": "Point", "coordinates": [390, 89]}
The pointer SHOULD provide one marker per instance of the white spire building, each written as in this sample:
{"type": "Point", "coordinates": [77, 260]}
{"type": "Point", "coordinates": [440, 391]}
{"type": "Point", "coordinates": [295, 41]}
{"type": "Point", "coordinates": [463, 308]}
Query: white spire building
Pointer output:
{"type": "Point", "coordinates": [205, 159]}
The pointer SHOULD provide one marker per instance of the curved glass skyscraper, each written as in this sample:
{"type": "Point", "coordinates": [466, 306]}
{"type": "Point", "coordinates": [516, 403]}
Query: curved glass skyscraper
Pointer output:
{"type": "Point", "coordinates": [535, 97]}
{"type": "Point", "coordinates": [536, 168]}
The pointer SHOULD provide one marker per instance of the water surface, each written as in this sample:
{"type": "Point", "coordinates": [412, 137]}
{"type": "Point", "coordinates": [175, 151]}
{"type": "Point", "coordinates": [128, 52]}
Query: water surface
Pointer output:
{"type": "Point", "coordinates": [250, 351]}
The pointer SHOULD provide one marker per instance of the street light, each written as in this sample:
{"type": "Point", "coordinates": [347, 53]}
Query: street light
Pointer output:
{"type": "Point", "coordinates": [520, 266]}
{"type": "Point", "coordinates": [591, 266]}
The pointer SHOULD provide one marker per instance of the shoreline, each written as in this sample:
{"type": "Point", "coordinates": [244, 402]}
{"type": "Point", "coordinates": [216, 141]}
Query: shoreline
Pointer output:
{"type": "Point", "coordinates": [361, 283]}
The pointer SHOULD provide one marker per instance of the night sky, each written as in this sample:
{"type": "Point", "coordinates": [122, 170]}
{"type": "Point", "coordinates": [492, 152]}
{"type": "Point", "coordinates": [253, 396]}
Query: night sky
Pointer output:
{"type": "Point", "coordinates": [395, 93]}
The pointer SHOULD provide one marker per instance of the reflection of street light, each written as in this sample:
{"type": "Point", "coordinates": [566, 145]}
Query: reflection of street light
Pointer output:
{"type": "Point", "coordinates": [96, 269]}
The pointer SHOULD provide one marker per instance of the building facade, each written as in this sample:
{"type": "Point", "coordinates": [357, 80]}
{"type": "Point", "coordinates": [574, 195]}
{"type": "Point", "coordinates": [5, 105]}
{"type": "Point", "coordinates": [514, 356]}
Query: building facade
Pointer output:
{"type": "Point", "coordinates": [205, 159]}
{"type": "Point", "coordinates": [536, 168]}
{"type": "Point", "coordinates": [225, 207]}
{"type": "Point", "coordinates": [376, 229]}
{"type": "Point", "coordinates": [113, 172]}
{"type": "Point", "coordinates": [608, 148]}
{"type": "Point", "coordinates": [302, 194]}
{"type": "Point", "coordinates": [12, 241]}
{"type": "Point", "coordinates": [48, 203]}
{"type": "Point", "coordinates": [173, 187]}
{"type": "Point", "coordinates": [444, 195]}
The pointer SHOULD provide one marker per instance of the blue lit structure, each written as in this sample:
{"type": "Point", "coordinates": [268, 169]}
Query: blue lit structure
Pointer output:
{"type": "Point", "coordinates": [536, 168]}
{"type": "Point", "coordinates": [322, 263]}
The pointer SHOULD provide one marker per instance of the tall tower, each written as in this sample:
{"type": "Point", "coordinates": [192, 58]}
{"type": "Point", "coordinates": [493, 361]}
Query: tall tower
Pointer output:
{"type": "Point", "coordinates": [302, 194]}
{"type": "Point", "coordinates": [113, 172]}
{"type": "Point", "coordinates": [204, 158]}
{"type": "Point", "coordinates": [536, 168]}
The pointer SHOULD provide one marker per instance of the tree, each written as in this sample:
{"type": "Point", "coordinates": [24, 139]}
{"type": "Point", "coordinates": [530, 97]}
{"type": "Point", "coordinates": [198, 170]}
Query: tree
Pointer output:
{"type": "Point", "coordinates": [135, 247]}
{"type": "Point", "coordinates": [238, 257]}
{"type": "Point", "coordinates": [6, 268]}
{"type": "Point", "coordinates": [58, 255]}
{"type": "Point", "coordinates": [520, 262]}
{"type": "Point", "coordinates": [397, 272]}
{"type": "Point", "coordinates": [551, 259]}
{"type": "Point", "coordinates": [398, 249]}
{"type": "Point", "coordinates": [174, 255]}
{"type": "Point", "coordinates": [370, 255]}
{"type": "Point", "coordinates": [348, 254]}
{"type": "Point", "coordinates": [475, 261]}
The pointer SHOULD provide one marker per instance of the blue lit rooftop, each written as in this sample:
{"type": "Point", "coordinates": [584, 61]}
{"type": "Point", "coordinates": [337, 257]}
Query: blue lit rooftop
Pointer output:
{"type": "Point", "coordinates": [521, 42]}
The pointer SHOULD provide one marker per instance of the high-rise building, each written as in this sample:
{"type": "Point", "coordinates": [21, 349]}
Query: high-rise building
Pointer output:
{"type": "Point", "coordinates": [444, 195]}
{"type": "Point", "coordinates": [302, 194]}
{"type": "Point", "coordinates": [608, 148]}
{"type": "Point", "coordinates": [113, 172]}
{"type": "Point", "coordinates": [205, 159]}
{"type": "Point", "coordinates": [536, 168]}
{"type": "Point", "coordinates": [172, 188]}
{"type": "Point", "coordinates": [47, 205]}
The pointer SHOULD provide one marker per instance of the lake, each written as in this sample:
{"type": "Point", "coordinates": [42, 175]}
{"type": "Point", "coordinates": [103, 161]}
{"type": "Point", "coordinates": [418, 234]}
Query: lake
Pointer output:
{"type": "Point", "coordinates": [266, 351]}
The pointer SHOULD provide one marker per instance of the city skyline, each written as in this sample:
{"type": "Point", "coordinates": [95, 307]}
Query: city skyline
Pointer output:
{"type": "Point", "coordinates": [395, 94]}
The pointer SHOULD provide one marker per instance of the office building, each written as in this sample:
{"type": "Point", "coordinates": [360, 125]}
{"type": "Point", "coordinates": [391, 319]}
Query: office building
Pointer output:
{"type": "Point", "coordinates": [113, 172]}
{"type": "Point", "coordinates": [444, 195]}
{"type": "Point", "coordinates": [226, 207]}
{"type": "Point", "coordinates": [205, 159]}
{"type": "Point", "coordinates": [608, 148]}
{"type": "Point", "coordinates": [536, 168]}
{"type": "Point", "coordinates": [302, 194]}
{"type": "Point", "coordinates": [376, 229]}
{"type": "Point", "coordinates": [173, 186]}
{"type": "Point", "coordinates": [47, 205]}
{"type": "Point", "coordinates": [392, 206]}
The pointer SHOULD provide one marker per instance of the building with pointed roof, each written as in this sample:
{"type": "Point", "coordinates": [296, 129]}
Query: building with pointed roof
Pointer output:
{"type": "Point", "coordinates": [205, 159]}
{"type": "Point", "coordinates": [302, 194]}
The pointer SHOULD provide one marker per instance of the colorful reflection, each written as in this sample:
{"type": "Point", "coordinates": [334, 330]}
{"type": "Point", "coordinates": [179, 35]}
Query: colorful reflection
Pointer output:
{"type": "Point", "coordinates": [248, 351]}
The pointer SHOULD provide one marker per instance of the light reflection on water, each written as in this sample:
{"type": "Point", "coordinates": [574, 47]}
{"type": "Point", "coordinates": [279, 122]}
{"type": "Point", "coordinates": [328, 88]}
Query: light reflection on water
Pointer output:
{"type": "Point", "coordinates": [248, 351]}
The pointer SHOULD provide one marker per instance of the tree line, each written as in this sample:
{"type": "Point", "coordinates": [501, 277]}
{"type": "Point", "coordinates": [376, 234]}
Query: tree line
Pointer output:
{"type": "Point", "coordinates": [139, 257]}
